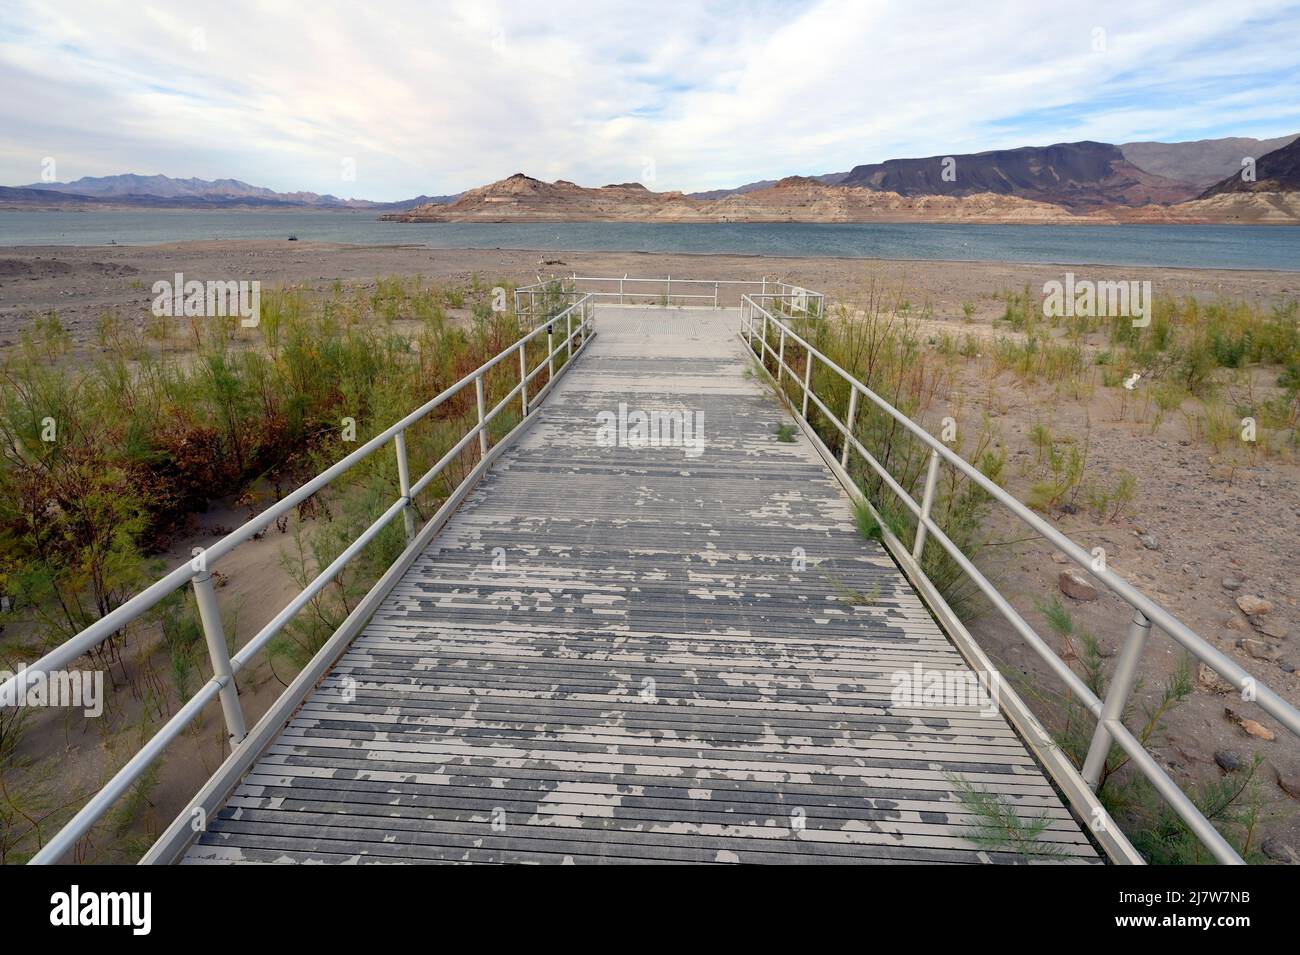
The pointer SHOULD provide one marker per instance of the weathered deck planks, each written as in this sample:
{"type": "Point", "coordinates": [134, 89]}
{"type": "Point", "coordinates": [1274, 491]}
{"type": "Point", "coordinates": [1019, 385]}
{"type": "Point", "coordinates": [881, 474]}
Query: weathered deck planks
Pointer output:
{"type": "Point", "coordinates": [642, 674]}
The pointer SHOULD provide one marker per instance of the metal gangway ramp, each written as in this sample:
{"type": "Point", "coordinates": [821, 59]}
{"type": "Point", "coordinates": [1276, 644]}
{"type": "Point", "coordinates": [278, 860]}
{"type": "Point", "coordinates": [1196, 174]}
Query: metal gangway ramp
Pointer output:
{"type": "Point", "coordinates": [607, 655]}
{"type": "Point", "coordinates": [608, 646]}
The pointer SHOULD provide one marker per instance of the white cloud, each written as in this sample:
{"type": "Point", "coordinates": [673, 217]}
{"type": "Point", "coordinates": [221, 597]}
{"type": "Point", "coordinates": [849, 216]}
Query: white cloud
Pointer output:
{"type": "Point", "coordinates": [438, 97]}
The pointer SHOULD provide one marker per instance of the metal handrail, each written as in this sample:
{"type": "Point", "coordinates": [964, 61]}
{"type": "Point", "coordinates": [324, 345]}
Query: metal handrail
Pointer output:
{"type": "Point", "coordinates": [526, 295]}
{"type": "Point", "coordinates": [1110, 728]}
{"type": "Point", "coordinates": [802, 299]}
{"type": "Point", "coordinates": [198, 571]}
{"type": "Point", "coordinates": [797, 300]}
{"type": "Point", "coordinates": [812, 304]}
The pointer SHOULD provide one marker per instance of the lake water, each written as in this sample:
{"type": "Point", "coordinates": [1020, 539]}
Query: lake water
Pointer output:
{"type": "Point", "coordinates": [1229, 247]}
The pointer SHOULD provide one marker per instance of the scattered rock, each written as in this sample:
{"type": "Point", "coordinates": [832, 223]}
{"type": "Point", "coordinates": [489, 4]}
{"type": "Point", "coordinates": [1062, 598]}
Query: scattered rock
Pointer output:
{"type": "Point", "coordinates": [1279, 851]}
{"type": "Point", "coordinates": [1252, 606]}
{"type": "Point", "coordinates": [1235, 623]}
{"type": "Point", "coordinates": [1257, 649]}
{"type": "Point", "coordinates": [1253, 727]}
{"type": "Point", "coordinates": [1258, 730]}
{"type": "Point", "coordinates": [1148, 541]}
{"type": "Point", "coordinates": [1212, 681]}
{"type": "Point", "coordinates": [1073, 585]}
{"type": "Point", "coordinates": [1059, 558]}
{"type": "Point", "coordinates": [1232, 583]}
{"type": "Point", "coordinates": [1269, 626]}
{"type": "Point", "coordinates": [1290, 784]}
{"type": "Point", "coordinates": [1228, 761]}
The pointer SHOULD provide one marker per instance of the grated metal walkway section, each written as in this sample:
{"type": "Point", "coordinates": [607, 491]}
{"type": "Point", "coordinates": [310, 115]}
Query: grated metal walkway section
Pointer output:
{"type": "Point", "coordinates": [620, 653]}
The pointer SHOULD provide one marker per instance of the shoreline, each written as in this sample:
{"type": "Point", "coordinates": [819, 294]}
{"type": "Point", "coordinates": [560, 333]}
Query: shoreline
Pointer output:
{"type": "Point", "coordinates": [1085, 220]}
{"type": "Point", "coordinates": [185, 244]}
{"type": "Point", "coordinates": [399, 217]}
{"type": "Point", "coordinates": [83, 283]}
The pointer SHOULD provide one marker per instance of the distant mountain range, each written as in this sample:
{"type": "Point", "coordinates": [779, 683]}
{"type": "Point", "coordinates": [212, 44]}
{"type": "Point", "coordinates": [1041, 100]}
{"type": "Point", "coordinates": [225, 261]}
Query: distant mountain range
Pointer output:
{"type": "Point", "coordinates": [164, 192]}
{"type": "Point", "coordinates": [1065, 182]}
{"type": "Point", "coordinates": [521, 198]}
{"type": "Point", "coordinates": [1080, 176]}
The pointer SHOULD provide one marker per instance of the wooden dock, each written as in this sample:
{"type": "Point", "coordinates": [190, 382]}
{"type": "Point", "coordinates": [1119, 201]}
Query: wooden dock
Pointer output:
{"type": "Point", "coordinates": [623, 653]}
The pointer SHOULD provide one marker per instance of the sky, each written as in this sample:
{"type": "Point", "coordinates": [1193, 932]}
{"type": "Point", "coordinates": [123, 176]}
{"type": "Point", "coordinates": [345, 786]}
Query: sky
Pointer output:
{"type": "Point", "coordinates": [389, 100]}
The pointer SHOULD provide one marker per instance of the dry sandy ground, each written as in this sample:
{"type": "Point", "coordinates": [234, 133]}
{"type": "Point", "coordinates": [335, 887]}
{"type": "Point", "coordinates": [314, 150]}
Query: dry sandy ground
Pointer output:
{"type": "Point", "coordinates": [1214, 532]}
{"type": "Point", "coordinates": [1210, 522]}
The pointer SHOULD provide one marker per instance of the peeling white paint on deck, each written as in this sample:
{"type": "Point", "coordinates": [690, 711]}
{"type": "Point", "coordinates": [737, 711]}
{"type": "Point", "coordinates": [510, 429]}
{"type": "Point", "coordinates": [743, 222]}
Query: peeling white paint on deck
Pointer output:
{"type": "Point", "coordinates": [648, 679]}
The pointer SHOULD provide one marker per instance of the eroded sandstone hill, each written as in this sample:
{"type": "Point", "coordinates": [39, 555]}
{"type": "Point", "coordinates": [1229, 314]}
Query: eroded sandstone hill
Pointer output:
{"type": "Point", "coordinates": [795, 199]}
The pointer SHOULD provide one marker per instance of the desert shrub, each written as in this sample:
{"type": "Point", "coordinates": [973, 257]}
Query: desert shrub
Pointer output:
{"type": "Point", "coordinates": [102, 462]}
{"type": "Point", "coordinates": [1023, 310]}
{"type": "Point", "coordinates": [1060, 466]}
{"type": "Point", "coordinates": [999, 826]}
{"type": "Point", "coordinates": [1232, 803]}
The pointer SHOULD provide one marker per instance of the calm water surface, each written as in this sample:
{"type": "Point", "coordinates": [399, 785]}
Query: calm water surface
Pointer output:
{"type": "Point", "coordinates": [1229, 247]}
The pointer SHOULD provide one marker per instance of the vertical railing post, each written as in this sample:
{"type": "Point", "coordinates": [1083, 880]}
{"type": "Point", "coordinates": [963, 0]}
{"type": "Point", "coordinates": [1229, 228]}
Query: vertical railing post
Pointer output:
{"type": "Point", "coordinates": [482, 413]}
{"type": "Point", "coordinates": [404, 484]}
{"type": "Point", "coordinates": [523, 379]}
{"type": "Point", "coordinates": [550, 352]}
{"type": "Point", "coordinates": [568, 330]}
{"type": "Point", "coordinates": [807, 380]}
{"type": "Point", "coordinates": [715, 294]}
{"type": "Point", "coordinates": [669, 296]}
{"type": "Point", "coordinates": [780, 356]}
{"type": "Point", "coordinates": [620, 288]}
{"type": "Point", "coordinates": [215, 635]}
{"type": "Point", "coordinates": [927, 502]}
{"type": "Point", "coordinates": [1112, 708]}
{"type": "Point", "coordinates": [848, 426]}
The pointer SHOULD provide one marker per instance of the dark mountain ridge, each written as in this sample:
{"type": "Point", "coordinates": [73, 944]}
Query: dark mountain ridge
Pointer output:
{"type": "Point", "coordinates": [1278, 171]}
{"type": "Point", "coordinates": [1078, 176]}
{"type": "Point", "coordinates": [1201, 162]}
{"type": "Point", "coordinates": [1181, 170]}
